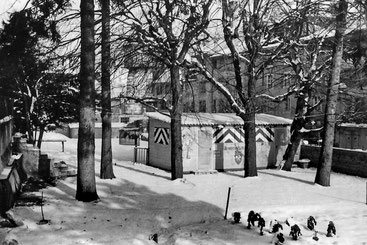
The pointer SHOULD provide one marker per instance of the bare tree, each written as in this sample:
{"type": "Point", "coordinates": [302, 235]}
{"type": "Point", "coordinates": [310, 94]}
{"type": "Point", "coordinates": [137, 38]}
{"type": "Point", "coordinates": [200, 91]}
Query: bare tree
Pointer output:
{"type": "Point", "coordinates": [326, 153]}
{"type": "Point", "coordinates": [165, 31]}
{"type": "Point", "coordinates": [106, 153]}
{"type": "Point", "coordinates": [86, 185]}
{"type": "Point", "coordinates": [256, 19]}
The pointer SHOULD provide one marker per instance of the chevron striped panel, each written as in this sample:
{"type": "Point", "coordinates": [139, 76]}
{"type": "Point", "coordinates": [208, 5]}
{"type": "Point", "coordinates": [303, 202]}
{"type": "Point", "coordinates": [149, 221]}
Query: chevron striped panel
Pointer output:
{"type": "Point", "coordinates": [264, 134]}
{"type": "Point", "coordinates": [228, 135]}
{"type": "Point", "coordinates": [161, 136]}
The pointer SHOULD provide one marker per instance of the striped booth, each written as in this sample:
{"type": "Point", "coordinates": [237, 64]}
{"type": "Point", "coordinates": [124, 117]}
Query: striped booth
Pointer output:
{"type": "Point", "coordinates": [216, 141]}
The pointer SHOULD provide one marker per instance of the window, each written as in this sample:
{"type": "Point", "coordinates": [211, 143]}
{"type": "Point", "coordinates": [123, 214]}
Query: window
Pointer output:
{"type": "Point", "coordinates": [124, 119]}
{"type": "Point", "coordinates": [215, 64]}
{"type": "Point", "coordinates": [267, 80]}
{"type": "Point", "coordinates": [288, 104]}
{"type": "Point", "coordinates": [214, 106]}
{"type": "Point", "coordinates": [202, 106]}
{"type": "Point", "coordinates": [202, 87]}
{"type": "Point", "coordinates": [287, 81]}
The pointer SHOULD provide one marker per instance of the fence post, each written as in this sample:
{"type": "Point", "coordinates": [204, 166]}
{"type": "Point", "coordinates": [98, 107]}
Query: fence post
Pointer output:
{"type": "Point", "coordinates": [229, 193]}
{"type": "Point", "coordinates": [135, 154]}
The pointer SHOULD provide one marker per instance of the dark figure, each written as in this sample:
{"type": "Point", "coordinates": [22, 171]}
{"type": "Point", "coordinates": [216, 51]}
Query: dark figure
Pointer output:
{"type": "Point", "coordinates": [311, 223]}
{"type": "Point", "coordinates": [251, 219]}
{"type": "Point", "coordinates": [331, 229]}
{"type": "Point", "coordinates": [236, 217]}
{"type": "Point", "coordinates": [261, 224]}
{"type": "Point", "coordinates": [276, 227]}
{"type": "Point", "coordinates": [280, 239]}
{"type": "Point", "coordinates": [295, 232]}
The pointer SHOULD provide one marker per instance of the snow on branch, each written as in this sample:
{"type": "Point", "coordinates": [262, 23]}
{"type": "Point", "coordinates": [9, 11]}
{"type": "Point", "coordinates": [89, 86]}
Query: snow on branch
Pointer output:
{"type": "Point", "coordinates": [145, 101]}
{"type": "Point", "coordinates": [304, 130]}
{"type": "Point", "coordinates": [278, 98]}
{"type": "Point", "coordinates": [227, 94]}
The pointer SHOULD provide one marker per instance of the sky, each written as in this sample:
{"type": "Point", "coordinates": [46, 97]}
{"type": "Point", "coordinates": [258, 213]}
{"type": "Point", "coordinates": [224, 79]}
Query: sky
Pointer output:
{"type": "Point", "coordinates": [9, 6]}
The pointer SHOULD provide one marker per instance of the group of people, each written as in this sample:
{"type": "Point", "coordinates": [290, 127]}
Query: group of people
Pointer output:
{"type": "Point", "coordinates": [276, 227]}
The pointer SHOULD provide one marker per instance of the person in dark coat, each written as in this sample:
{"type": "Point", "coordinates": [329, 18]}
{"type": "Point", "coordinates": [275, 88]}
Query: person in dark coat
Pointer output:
{"type": "Point", "coordinates": [311, 223]}
{"type": "Point", "coordinates": [251, 218]}
{"type": "Point", "coordinates": [295, 232]}
{"type": "Point", "coordinates": [261, 224]}
{"type": "Point", "coordinates": [275, 226]}
{"type": "Point", "coordinates": [331, 229]}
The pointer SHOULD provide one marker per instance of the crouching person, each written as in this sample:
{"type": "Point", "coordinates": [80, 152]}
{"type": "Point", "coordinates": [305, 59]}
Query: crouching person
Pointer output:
{"type": "Point", "coordinates": [278, 239]}
{"type": "Point", "coordinates": [295, 232]}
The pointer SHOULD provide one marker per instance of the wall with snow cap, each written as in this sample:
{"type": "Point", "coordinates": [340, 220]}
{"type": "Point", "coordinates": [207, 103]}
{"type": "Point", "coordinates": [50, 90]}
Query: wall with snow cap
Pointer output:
{"type": "Point", "coordinates": [346, 161]}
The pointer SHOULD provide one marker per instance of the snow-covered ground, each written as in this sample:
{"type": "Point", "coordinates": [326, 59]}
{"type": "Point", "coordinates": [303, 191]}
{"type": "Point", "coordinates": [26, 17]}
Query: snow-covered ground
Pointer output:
{"type": "Point", "coordinates": [143, 201]}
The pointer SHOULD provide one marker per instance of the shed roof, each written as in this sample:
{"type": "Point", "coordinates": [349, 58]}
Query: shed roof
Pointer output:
{"type": "Point", "coordinates": [212, 119]}
{"type": "Point", "coordinates": [353, 125]}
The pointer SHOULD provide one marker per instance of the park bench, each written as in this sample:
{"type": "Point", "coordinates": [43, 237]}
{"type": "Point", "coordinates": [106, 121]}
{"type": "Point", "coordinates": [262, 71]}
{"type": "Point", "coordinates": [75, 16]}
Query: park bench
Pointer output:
{"type": "Point", "coordinates": [56, 140]}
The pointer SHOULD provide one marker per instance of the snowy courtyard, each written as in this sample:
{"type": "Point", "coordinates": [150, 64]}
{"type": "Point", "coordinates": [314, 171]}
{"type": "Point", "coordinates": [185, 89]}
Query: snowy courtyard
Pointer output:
{"type": "Point", "coordinates": [142, 201]}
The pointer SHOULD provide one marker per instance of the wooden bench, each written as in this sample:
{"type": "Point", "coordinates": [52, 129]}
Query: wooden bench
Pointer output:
{"type": "Point", "coordinates": [56, 140]}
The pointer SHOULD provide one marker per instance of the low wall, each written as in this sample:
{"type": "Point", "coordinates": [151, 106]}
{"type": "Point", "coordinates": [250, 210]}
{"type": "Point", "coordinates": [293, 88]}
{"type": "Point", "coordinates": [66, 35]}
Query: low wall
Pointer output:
{"type": "Point", "coordinates": [10, 182]}
{"type": "Point", "coordinates": [347, 161]}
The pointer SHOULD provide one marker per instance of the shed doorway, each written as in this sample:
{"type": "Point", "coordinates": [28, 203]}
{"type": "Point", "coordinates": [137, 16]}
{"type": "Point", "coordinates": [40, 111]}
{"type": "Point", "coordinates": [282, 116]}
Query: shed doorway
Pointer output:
{"type": "Point", "coordinates": [205, 149]}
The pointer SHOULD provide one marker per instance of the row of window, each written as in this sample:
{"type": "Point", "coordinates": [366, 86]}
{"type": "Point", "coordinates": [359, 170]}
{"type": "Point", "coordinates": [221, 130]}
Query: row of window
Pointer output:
{"type": "Point", "coordinates": [269, 82]}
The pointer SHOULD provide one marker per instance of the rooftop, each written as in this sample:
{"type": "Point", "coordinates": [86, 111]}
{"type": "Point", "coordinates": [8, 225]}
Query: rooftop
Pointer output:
{"type": "Point", "coordinates": [211, 119]}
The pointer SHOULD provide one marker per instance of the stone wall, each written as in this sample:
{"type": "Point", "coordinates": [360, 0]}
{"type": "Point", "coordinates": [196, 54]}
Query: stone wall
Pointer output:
{"type": "Point", "coordinates": [6, 130]}
{"type": "Point", "coordinates": [347, 161]}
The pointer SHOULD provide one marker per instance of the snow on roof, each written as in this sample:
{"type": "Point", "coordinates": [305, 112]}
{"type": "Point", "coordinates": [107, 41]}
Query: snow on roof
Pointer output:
{"type": "Point", "coordinates": [99, 125]}
{"type": "Point", "coordinates": [353, 125]}
{"type": "Point", "coordinates": [211, 119]}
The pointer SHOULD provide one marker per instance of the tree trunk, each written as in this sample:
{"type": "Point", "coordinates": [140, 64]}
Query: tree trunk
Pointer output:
{"type": "Point", "coordinates": [248, 118]}
{"type": "Point", "coordinates": [250, 127]}
{"type": "Point", "coordinates": [296, 136]}
{"type": "Point", "coordinates": [86, 185]}
{"type": "Point", "coordinates": [40, 136]}
{"type": "Point", "coordinates": [176, 133]}
{"type": "Point", "coordinates": [106, 153]}
{"type": "Point", "coordinates": [326, 153]}
{"type": "Point", "coordinates": [27, 116]}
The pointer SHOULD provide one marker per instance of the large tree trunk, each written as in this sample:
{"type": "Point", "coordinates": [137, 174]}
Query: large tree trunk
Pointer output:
{"type": "Point", "coordinates": [106, 158]}
{"type": "Point", "coordinates": [326, 153]}
{"type": "Point", "coordinates": [176, 133]}
{"type": "Point", "coordinates": [248, 118]}
{"type": "Point", "coordinates": [250, 127]}
{"type": "Point", "coordinates": [86, 185]}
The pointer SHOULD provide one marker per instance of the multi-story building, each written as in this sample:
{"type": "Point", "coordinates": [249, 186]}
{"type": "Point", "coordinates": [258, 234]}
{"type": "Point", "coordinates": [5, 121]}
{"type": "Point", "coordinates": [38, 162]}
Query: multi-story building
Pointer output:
{"type": "Point", "coordinates": [199, 95]}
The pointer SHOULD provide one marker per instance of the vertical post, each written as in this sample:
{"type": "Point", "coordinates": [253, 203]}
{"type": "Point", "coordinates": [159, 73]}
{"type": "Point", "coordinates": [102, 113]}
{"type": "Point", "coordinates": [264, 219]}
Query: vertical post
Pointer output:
{"type": "Point", "coordinates": [229, 193]}
{"type": "Point", "coordinates": [135, 154]}
{"type": "Point", "coordinates": [136, 139]}
{"type": "Point", "coordinates": [366, 193]}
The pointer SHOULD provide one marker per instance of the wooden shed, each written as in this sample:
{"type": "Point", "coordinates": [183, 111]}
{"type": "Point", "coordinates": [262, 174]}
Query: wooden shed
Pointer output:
{"type": "Point", "coordinates": [215, 141]}
{"type": "Point", "coordinates": [351, 136]}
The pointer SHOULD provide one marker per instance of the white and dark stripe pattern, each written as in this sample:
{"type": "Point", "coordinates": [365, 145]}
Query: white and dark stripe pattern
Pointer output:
{"type": "Point", "coordinates": [161, 136]}
{"type": "Point", "coordinates": [228, 135]}
{"type": "Point", "coordinates": [264, 134]}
